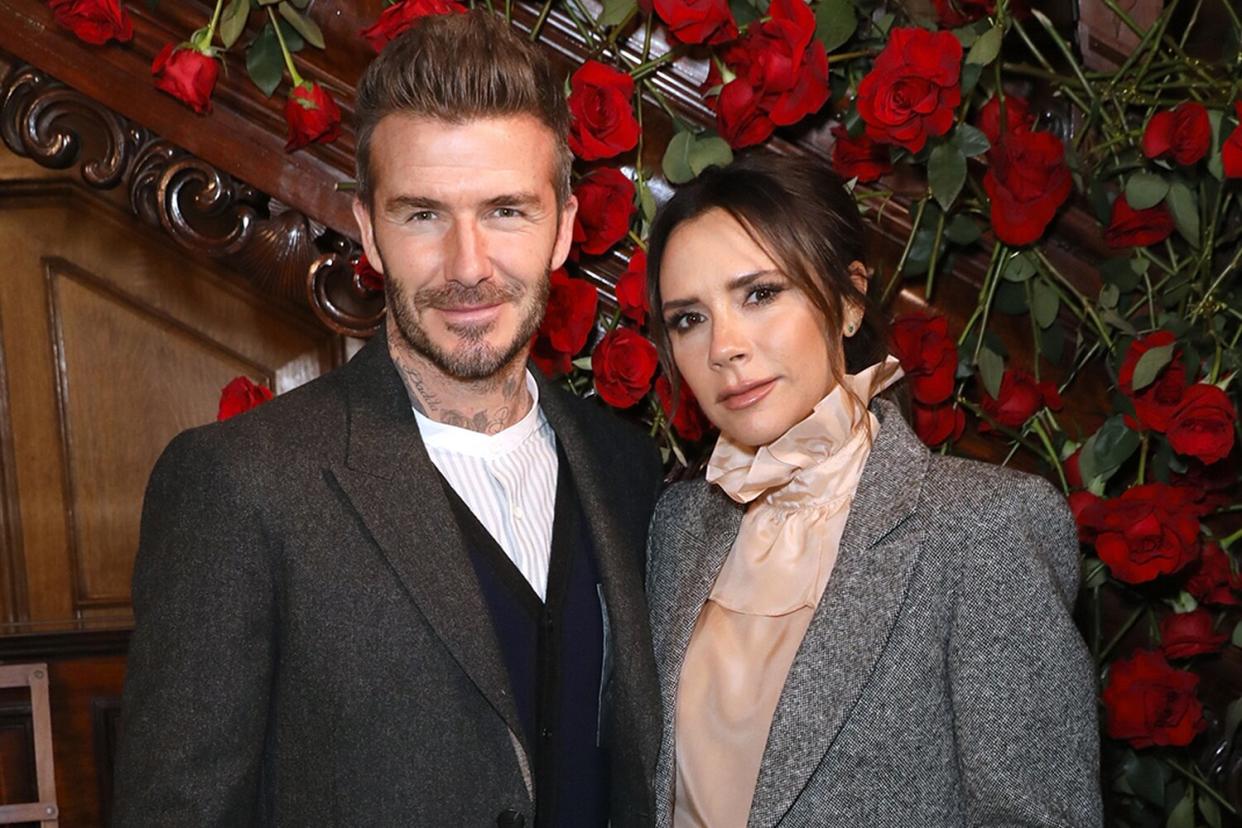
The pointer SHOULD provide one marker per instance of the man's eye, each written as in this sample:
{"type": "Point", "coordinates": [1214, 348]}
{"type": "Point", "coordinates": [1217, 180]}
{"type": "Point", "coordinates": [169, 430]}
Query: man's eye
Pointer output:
{"type": "Point", "coordinates": [422, 215]}
{"type": "Point", "coordinates": [508, 212]}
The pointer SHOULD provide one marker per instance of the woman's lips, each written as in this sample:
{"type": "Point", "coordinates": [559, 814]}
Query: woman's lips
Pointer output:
{"type": "Point", "coordinates": [747, 396]}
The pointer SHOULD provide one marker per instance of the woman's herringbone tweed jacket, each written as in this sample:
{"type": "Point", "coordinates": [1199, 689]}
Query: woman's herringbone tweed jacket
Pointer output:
{"type": "Point", "coordinates": [942, 681]}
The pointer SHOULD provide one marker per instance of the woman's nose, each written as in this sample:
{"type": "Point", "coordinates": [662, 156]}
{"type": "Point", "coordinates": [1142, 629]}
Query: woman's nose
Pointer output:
{"type": "Point", "coordinates": [728, 345]}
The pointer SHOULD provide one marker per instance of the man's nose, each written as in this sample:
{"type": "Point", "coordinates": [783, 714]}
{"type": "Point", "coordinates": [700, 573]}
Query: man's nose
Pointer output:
{"type": "Point", "coordinates": [468, 260]}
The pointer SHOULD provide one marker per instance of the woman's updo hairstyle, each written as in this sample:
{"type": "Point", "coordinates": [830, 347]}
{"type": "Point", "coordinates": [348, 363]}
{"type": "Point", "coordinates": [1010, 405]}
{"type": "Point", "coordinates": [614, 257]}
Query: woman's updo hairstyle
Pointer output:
{"type": "Point", "coordinates": [799, 212]}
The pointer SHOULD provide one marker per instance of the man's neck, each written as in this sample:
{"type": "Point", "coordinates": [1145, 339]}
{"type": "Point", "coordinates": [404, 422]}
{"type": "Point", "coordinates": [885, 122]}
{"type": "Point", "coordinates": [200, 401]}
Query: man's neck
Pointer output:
{"type": "Point", "coordinates": [488, 405]}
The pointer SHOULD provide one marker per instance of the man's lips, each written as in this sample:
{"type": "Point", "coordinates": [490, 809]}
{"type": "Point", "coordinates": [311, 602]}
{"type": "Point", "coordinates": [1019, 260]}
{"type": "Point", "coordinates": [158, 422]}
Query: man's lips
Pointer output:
{"type": "Point", "coordinates": [747, 394]}
{"type": "Point", "coordinates": [471, 314]}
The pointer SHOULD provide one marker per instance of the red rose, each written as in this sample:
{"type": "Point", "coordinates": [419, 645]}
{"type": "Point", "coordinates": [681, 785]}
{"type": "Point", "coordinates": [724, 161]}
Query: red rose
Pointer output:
{"type": "Point", "coordinates": [937, 423]}
{"type": "Point", "coordinates": [1183, 133]}
{"type": "Point", "coordinates": [401, 16]}
{"type": "Point", "coordinates": [1213, 581]}
{"type": "Point", "coordinates": [1018, 117]}
{"type": "Point", "coordinates": [605, 206]}
{"type": "Point", "coordinates": [1020, 397]}
{"type": "Point", "coordinates": [566, 324]}
{"type": "Point", "coordinates": [1083, 505]}
{"type": "Point", "coordinates": [697, 21]}
{"type": "Point", "coordinates": [1188, 634]}
{"type": "Point", "coordinates": [624, 363]}
{"type": "Point", "coordinates": [1148, 531]}
{"type": "Point", "coordinates": [1154, 404]}
{"type": "Point", "coordinates": [687, 418]}
{"type": "Point", "coordinates": [1073, 469]}
{"type": "Point", "coordinates": [928, 356]}
{"type": "Point", "coordinates": [312, 115]}
{"type": "Point", "coordinates": [859, 157]}
{"type": "Point", "coordinates": [1137, 228]}
{"type": "Point", "coordinates": [366, 276]}
{"type": "Point", "coordinates": [740, 118]}
{"type": "Point", "coordinates": [953, 13]}
{"type": "Point", "coordinates": [1027, 181]}
{"type": "Point", "coordinates": [632, 289]}
{"type": "Point", "coordinates": [1231, 150]}
{"type": "Point", "coordinates": [1202, 423]}
{"type": "Point", "coordinates": [93, 21]}
{"type": "Point", "coordinates": [602, 122]}
{"type": "Point", "coordinates": [912, 90]}
{"type": "Point", "coordinates": [186, 74]}
{"type": "Point", "coordinates": [1147, 702]}
{"type": "Point", "coordinates": [239, 396]}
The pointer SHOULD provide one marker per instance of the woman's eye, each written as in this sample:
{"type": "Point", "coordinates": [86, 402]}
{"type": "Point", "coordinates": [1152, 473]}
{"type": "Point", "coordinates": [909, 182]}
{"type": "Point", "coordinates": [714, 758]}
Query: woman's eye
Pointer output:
{"type": "Point", "coordinates": [683, 321]}
{"type": "Point", "coordinates": [762, 294]}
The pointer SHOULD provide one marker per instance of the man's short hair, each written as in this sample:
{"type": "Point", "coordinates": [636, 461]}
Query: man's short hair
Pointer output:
{"type": "Point", "coordinates": [457, 68]}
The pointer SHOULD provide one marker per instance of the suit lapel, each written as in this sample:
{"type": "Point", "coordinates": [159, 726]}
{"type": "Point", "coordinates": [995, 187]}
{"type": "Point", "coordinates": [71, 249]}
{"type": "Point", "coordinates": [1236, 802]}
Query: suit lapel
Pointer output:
{"type": "Point", "coordinates": [397, 492]}
{"type": "Point", "coordinates": [696, 560]}
{"type": "Point", "coordinates": [852, 623]}
{"type": "Point", "coordinates": [617, 549]}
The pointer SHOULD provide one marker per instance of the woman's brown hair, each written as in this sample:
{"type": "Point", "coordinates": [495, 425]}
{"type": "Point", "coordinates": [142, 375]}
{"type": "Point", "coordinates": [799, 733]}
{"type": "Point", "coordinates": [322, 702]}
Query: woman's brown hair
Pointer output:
{"type": "Point", "coordinates": [800, 213]}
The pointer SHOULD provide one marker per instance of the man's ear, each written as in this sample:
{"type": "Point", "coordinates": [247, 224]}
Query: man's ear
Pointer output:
{"type": "Point", "coordinates": [564, 232]}
{"type": "Point", "coordinates": [362, 215]}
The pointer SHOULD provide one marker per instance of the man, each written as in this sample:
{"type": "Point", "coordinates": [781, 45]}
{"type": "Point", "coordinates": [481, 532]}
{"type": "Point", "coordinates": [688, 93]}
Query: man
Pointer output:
{"type": "Point", "coordinates": [409, 593]}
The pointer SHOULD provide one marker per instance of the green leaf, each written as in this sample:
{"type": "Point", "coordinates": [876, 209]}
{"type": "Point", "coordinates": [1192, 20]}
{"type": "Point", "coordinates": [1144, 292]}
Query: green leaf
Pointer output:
{"type": "Point", "coordinates": [991, 370]}
{"type": "Point", "coordinates": [1120, 272]}
{"type": "Point", "coordinates": [1018, 269]}
{"type": "Point", "coordinates": [1010, 299]}
{"type": "Point", "coordinates": [1144, 190]}
{"type": "Point", "coordinates": [1210, 811]}
{"type": "Point", "coordinates": [1183, 602]}
{"type": "Point", "coordinates": [233, 21]}
{"type": "Point", "coordinates": [1094, 573]}
{"type": "Point", "coordinates": [1216, 166]}
{"type": "Point", "coordinates": [986, 48]}
{"type": "Point", "coordinates": [970, 140]}
{"type": "Point", "coordinates": [1237, 642]}
{"type": "Point", "coordinates": [1106, 450]}
{"type": "Point", "coordinates": [646, 201]}
{"type": "Point", "coordinates": [946, 173]}
{"type": "Point", "coordinates": [744, 12]}
{"type": "Point", "coordinates": [616, 11]}
{"type": "Point", "coordinates": [583, 363]}
{"type": "Point", "coordinates": [835, 22]}
{"type": "Point", "coordinates": [307, 28]}
{"type": "Point", "coordinates": [709, 151]}
{"type": "Point", "coordinates": [676, 163]}
{"type": "Point", "coordinates": [1150, 364]}
{"type": "Point", "coordinates": [1185, 209]}
{"type": "Point", "coordinates": [1110, 295]}
{"type": "Point", "coordinates": [971, 73]}
{"type": "Point", "coordinates": [962, 230]}
{"type": "Point", "coordinates": [264, 63]}
{"type": "Point", "coordinates": [1183, 814]}
{"type": "Point", "coordinates": [1045, 304]}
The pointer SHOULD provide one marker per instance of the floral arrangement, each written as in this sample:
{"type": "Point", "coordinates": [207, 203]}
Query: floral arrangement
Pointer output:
{"type": "Point", "coordinates": [981, 117]}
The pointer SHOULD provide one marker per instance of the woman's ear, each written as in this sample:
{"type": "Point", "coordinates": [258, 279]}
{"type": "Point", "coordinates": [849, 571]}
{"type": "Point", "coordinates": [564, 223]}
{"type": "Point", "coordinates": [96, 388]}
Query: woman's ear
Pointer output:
{"type": "Point", "coordinates": [860, 277]}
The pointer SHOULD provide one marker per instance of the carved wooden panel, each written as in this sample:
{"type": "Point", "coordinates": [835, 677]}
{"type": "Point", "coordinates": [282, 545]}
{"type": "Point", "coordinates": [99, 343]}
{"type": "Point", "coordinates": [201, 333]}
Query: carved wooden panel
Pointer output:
{"type": "Point", "coordinates": [113, 339]}
{"type": "Point", "coordinates": [17, 762]}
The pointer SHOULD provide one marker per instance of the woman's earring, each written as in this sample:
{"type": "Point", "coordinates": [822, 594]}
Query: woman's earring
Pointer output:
{"type": "Point", "coordinates": [849, 329]}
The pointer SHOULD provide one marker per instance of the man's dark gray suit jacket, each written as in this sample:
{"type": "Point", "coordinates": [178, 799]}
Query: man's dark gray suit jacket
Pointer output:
{"type": "Point", "coordinates": [311, 645]}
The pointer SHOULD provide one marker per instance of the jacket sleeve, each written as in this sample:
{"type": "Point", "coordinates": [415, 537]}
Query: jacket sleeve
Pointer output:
{"type": "Point", "coordinates": [200, 661]}
{"type": "Point", "coordinates": [1022, 682]}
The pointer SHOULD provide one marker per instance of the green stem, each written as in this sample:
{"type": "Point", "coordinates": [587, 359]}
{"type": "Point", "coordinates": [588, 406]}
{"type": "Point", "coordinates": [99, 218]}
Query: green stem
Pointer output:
{"type": "Point", "coordinates": [1125, 628]}
{"type": "Point", "coordinates": [1142, 469]}
{"type": "Point", "coordinates": [905, 253]}
{"type": "Point", "coordinates": [1052, 454]}
{"type": "Point", "coordinates": [1087, 306]}
{"type": "Point", "coordinates": [989, 289]}
{"type": "Point", "coordinates": [539, 21]}
{"type": "Point", "coordinates": [935, 255]}
{"type": "Point", "coordinates": [642, 70]}
{"type": "Point", "coordinates": [1229, 541]}
{"type": "Point", "coordinates": [284, 50]}
{"type": "Point", "coordinates": [215, 18]}
{"type": "Point", "coordinates": [1203, 786]}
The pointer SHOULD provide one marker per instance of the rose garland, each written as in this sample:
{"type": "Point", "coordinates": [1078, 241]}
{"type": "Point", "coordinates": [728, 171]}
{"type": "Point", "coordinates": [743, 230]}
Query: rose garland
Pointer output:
{"type": "Point", "coordinates": [1155, 156]}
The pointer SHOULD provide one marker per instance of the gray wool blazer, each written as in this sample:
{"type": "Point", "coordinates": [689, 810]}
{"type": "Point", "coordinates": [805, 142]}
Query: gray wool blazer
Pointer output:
{"type": "Point", "coordinates": [942, 681]}
{"type": "Point", "coordinates": [312, 647]}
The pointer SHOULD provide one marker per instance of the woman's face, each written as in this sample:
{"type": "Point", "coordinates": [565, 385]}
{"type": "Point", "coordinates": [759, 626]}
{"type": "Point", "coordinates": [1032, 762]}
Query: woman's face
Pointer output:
{"type": "Point", "coordinates": [751, 345]}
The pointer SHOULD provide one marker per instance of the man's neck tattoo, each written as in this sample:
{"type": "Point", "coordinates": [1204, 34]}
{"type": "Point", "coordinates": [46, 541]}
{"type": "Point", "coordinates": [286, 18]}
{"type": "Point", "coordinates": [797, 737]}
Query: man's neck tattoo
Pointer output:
{"type": "Point", "coordinates": [499, 401]}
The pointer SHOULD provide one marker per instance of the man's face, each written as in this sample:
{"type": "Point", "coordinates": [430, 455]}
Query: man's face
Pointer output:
{"type": "Point", "coordinates": [465, 228]}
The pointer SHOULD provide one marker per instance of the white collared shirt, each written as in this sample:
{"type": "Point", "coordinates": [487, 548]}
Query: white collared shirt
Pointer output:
{"type": "Point", "coordinates": [508, 480]}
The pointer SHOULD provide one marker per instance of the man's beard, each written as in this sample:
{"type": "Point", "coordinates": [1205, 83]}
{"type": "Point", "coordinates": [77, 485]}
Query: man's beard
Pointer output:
{"type": "Point", "coordinates": [475, 359]}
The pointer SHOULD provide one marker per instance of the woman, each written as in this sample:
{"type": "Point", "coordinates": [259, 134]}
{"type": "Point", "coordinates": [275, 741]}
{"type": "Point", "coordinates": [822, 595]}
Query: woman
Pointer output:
{"type": "Point", "coordinates": [849, 629]}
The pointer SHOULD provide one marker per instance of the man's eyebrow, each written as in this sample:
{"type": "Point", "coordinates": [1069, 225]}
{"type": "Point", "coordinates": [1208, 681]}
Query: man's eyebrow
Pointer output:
{"type": "Point", "coordinates": [412, 202]}
{"type": "Point", "coordinates": [518, 199]}
{"type": "Point", "coordinates": [736, 283]}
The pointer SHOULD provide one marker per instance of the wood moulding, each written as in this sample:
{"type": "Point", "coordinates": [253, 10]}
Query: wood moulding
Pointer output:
{"type": "Point", "coordinates": [279, 250]}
